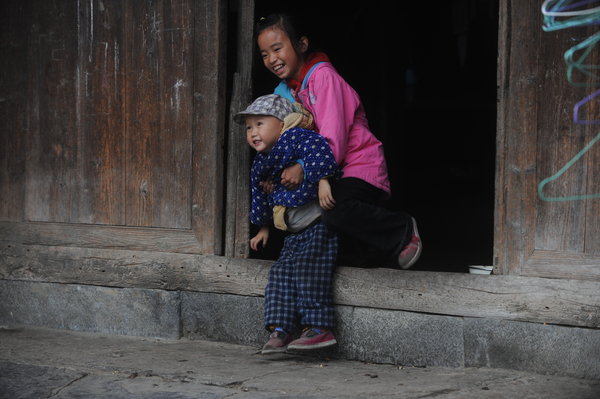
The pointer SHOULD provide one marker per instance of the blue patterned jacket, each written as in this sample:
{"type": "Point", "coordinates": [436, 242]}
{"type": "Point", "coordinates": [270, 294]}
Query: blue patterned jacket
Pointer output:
{"type": "Point", "coordinates": [293, 145]}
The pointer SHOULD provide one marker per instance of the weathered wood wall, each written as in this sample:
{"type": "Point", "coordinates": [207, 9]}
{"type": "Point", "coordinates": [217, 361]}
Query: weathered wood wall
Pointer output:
{"type": "Point", "coordinates": [113, 114]}
{"type": "Point", "coordinates": [548, 229]}
{"type": "Point", "coordinates": [111, 165]}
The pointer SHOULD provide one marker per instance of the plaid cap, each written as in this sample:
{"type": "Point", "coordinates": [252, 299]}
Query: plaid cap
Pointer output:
{"type": "Point", "coordinates": [271, 104]}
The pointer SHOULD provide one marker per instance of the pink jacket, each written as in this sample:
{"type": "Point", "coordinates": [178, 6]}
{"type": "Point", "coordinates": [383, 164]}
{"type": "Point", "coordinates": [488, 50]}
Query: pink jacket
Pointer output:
{"type": "Point", "coordinates": [340, 118]}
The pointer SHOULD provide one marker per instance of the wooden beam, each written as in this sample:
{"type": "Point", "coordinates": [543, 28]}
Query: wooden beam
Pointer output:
{"type": "Point", "coordinates": [133, 269]}
{"type": "Point", "coordinates": [569, 302]}
{"type": "Point", "coordinates": [99, 236]}
{"type": "Point", "coordinates": [566, 302]}
{"type": "Point", "coordinates": [557, 264]}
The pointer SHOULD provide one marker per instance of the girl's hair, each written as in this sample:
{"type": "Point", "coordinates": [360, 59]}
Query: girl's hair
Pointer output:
{"type": "Point", "coordinates": [283, 21]}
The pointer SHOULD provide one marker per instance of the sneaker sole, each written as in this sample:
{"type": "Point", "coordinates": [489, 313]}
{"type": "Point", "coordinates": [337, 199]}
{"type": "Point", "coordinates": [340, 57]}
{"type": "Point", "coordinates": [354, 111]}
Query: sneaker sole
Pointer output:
{"type": "Point", "coordinates": [414, 259]}
{"type": "Point", "coordinates": [273, 351]}
{"type": "Point", "coordinates": [417, 254]}
{"type": "Point", "coordinates": [318, 345]}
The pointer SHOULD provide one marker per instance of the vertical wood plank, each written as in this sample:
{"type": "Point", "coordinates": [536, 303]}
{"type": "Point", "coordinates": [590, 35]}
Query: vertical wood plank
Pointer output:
{"type": "Point", "coordinates": [99, 77]}
{"type": "Point", "coordinates": [142, 115]}
{"type": "Point", "coordinates": [52, 186]}
{"type": "Point", "coordinates": [517, 114]}
{"type": "Point", "coordinates": [176, 122]}
{"type": "Point", "coordinates": [15, 22]}
{"type": "Point", "coordinates": [502, 79]}
{"type": "Point", "coordinates": [158, 113]}
{"type": "Point", "coordinates": [209, 58]}
{"type": "Point", "coordinates": [238, 161]}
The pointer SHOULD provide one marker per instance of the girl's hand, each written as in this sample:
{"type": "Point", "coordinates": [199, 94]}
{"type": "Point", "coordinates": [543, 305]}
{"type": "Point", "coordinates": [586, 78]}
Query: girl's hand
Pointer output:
{"type": "Point", "coordinates": [260, 238]}
{"type": "Point", "coordinates": [267, 186]}
{"type": "Point", "coordinates": [325, 196]}
{"type": "Point", "coordinates": [292, 176]}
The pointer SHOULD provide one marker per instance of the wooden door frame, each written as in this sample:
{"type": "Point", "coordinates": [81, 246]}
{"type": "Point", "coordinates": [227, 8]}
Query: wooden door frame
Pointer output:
{"type": "Point", "coordinates": [237, 202]}
{"type": "Point", "coordinates": [210, 51]}
{"type": "Point", "coordinates": [500, 258]}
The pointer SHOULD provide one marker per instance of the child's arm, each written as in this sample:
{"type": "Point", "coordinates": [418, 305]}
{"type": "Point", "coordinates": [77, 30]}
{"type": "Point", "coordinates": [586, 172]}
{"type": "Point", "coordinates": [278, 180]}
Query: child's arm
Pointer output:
{"type": "Point", "coordinates": [292, 176]}
{"type": "Point", "coordinates": [325, 197]}
{"type": "Point", "coordinates": [267, 186]}
{"type": "Point", "coordinates": [260, 212]}
{"type": "Point", "coordinates": [260, 238]}
{"type": "Point", "coordinates": [319, 161]}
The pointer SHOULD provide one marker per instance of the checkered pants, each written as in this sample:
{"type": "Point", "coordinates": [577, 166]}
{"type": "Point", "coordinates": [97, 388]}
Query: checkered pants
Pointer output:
{"type": "Point", "coordinates": [300, 281]}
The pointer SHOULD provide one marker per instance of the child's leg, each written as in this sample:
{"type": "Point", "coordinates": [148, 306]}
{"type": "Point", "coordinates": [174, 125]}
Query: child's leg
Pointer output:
{"type": "Point", "coordinates": [314, 262]}
{"type": "Point", "coordinates": [280, 293]}
{"type": "Point", "coordinates": [358, 214]}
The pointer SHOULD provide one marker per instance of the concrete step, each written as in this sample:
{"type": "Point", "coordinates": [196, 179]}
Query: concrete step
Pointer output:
{"type": "Point", "coordinates": [365, 334]}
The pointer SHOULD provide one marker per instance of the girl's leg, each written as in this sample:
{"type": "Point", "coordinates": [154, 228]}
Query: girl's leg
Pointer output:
{"type": "Point", "coordinates": [280, 293]}
{"type": "Point", "coordinates": [359, 214]}
{"type": "Point", "coordinates": [313, 273]}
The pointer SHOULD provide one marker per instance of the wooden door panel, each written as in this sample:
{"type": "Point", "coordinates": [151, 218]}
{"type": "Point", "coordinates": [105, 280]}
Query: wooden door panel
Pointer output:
{"type": "Point", "coordinates": [121, 114]}
{"type": "Point", "coordinates": [100, 118]}
{"type": "Point", "coordinates": [547, 213]}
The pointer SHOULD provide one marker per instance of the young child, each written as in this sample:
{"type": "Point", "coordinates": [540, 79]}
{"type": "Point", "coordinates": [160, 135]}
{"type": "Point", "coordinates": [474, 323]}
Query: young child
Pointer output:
{"type": "Point", "coordinates": [309, 78]}
{"type": "Point", "coordinates": [299, 286]}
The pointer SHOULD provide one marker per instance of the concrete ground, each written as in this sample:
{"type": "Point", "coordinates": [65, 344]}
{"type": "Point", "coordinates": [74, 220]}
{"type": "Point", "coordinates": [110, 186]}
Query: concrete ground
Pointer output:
{"type": "Point", "coordinates": [47, 363]}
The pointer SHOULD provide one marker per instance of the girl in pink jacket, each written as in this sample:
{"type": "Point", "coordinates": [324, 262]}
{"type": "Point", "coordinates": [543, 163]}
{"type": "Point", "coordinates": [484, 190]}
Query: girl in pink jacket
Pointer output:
{"type": "Point", "coordinates": [358, 215]}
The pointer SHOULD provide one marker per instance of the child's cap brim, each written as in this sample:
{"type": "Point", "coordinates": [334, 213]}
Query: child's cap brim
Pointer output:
{"type": "Point", "coordinates": [270, 105]}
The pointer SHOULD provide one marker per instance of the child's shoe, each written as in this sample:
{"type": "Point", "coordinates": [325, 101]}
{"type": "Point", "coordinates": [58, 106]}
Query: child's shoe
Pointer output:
{"type": "Point", "coordinates": [278, 342]}
{"type": "Point", "coordinates": [313, 338]}
{"type": "Point", "coordinates": [412, 251]}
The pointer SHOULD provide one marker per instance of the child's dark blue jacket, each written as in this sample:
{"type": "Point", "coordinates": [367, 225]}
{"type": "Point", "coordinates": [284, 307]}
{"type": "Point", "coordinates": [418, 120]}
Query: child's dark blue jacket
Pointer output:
{"type": "Point", "coordinates": [293, 145]}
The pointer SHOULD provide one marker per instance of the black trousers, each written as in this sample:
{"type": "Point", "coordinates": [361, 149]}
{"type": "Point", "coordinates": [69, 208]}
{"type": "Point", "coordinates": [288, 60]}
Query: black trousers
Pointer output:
{"type": "Point", "coordinates": [370, 234]}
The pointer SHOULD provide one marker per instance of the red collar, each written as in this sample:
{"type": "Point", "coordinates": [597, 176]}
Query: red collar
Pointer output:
{"type": "Point", "coordinates": [311, 60]}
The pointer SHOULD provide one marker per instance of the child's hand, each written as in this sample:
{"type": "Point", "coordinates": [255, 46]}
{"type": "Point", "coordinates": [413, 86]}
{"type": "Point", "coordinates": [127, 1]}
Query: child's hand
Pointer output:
{"type": "Point", "coordinates": [260, 238]}
{"type": "Point", "coordinates": [325, 196]}
{"type": "Point", "coordinates": [292, 176]}
{"type": "Point", "coordinates": [267, 186]}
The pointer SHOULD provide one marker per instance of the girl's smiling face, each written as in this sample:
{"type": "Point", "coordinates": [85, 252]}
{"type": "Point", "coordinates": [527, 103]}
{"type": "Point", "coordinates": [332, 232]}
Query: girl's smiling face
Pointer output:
{"type": "Point", "coordinates": [279, 55]}
{"type": "Point", "coordinates": [262, 132]}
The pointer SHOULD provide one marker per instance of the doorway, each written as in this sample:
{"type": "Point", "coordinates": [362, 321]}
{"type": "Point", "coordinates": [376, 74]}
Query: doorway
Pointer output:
{"type": "Point", "coordinates": [426, 74]}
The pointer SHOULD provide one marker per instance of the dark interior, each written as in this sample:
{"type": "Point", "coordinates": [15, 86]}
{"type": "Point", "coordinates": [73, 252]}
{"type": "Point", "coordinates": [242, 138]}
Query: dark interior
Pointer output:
{"type": "Point", "coordinates": [426, 72]}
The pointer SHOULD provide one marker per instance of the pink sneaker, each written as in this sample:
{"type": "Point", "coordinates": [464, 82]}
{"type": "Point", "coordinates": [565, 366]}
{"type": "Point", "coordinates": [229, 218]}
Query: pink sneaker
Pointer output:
{"type": "Point", "coordinates": [412, 251]}
{"type": "Point", "coordinates": [277, 343]}
{"type": "Point", "coordinates": [313, 338]}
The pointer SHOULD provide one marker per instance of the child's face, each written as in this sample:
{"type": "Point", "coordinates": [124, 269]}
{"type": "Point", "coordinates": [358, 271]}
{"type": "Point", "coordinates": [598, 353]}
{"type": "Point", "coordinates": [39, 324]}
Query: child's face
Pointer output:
{"type": "Point", "coordinates": [279, 55]}
{"type": "Point", "coordinates": [262, 132]}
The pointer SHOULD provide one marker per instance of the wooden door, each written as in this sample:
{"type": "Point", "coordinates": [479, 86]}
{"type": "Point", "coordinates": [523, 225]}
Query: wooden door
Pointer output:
{"type": "Point", "coordinates": [548, 165]}
{"type": "Point", "coordinates": [113, 114]}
